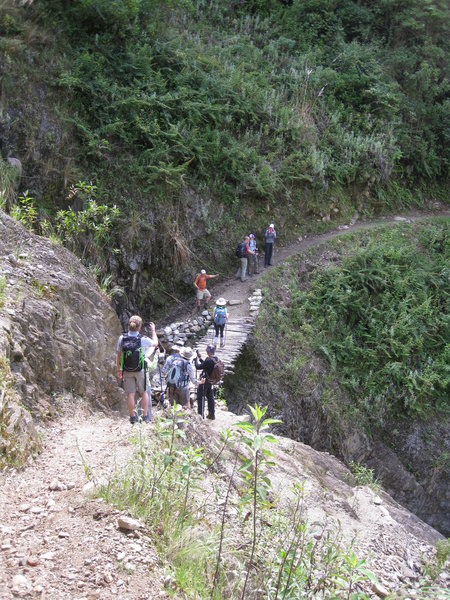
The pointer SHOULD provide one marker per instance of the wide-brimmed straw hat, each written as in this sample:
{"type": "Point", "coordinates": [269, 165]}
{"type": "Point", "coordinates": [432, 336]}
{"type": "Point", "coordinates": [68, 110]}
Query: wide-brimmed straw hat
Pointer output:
{"type": "Point", "coordinates": [221, 302]}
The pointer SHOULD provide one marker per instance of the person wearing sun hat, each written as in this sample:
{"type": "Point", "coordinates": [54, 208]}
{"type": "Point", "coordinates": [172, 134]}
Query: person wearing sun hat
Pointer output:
{"type": "Point", "coordinates": [220, 320]}
{"type": "Point", "coordinates": [178, 371]}
{"type": "Point", "coordinates": [200, 285]}
{"type": "Point", "coordinates": [270, 236]}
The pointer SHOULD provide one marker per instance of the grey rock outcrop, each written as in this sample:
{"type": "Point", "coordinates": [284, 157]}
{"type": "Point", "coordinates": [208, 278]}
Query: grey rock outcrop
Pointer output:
{"type": "Point", "coordinates": [57, 331]}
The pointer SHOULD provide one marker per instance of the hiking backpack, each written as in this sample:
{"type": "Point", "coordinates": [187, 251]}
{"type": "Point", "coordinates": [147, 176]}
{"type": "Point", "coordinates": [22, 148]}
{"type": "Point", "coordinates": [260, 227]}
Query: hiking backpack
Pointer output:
{"type": "Point", "coordinates": [220, 315]}
{"type": "Point", "coordinates": [132, 357]}
{"type": "Point", "coordinates": [240, 250]}
{"type": "Point", "coordinates": [217, 372]}
{"type": "Point", "coordinates": [178, 375]}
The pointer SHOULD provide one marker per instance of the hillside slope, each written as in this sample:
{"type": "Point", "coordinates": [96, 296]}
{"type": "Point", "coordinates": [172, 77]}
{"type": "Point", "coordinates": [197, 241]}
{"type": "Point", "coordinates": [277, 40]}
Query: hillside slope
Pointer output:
{"type": "Point", "coordinates": [202, 120]}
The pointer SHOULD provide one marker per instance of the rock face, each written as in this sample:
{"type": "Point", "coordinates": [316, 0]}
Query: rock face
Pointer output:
{"type": "Point", "coordinates": [57, 332]}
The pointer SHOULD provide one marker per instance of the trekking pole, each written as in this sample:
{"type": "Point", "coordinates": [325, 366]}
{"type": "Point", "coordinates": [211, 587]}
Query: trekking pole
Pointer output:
{"type": "Point", "coordinates": [203, 399]}
{"type": "Point", "coordinates": [225, 336]}
{"type": "Point", "coordinates": [161, 384]}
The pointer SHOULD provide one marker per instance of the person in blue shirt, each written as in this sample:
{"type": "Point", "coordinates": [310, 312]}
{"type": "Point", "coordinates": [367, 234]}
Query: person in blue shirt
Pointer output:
{"type": "Point", "coordinates": [220, 321]}
{"type": "Point", "coordinates": [270, 237]}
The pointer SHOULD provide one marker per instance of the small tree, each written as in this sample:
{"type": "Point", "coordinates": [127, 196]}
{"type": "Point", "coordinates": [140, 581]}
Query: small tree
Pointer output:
{"type": "Point", "coordinates": [253, 469]}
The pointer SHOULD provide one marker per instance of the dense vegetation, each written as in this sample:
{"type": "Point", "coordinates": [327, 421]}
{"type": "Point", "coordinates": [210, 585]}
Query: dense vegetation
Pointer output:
{"type": "Point", "coordinates": [377, 312]}
{"type": "Point", "coordinates": [258, 100]}
{"type": "Point", "coordinates": [263, 109]}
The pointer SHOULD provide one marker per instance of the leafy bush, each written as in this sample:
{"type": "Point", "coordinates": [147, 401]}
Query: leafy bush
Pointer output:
{"type": "Point", "coordinates": [377, 315]}
{"type": "Point", "coordinates": [86, 231]}
{"type": "Point", "coordinates": [25, 211]}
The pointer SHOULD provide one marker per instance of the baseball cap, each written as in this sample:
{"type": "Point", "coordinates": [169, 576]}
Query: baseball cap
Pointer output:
{"type": "Point", "coordinates": [203, 272]}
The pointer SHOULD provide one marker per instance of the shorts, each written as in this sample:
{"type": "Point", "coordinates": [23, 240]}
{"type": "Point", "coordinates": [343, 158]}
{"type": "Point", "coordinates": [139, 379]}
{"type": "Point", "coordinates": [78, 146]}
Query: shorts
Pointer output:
{"type": "Point", "coordinates": [133, 381]}
{"type": "Point", "coordinates": [203, 294]}
{"type": "Point", "coordinates": [179, 395]}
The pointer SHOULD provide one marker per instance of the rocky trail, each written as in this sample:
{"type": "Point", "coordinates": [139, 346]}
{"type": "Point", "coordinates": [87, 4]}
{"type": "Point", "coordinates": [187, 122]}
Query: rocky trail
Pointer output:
{"type": "Point", "coordinates": [56, 542]}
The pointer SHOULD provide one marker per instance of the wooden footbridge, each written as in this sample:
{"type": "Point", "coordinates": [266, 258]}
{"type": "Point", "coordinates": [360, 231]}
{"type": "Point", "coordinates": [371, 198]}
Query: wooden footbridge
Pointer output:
{"type": "Point", "coordinates": [236, 335]}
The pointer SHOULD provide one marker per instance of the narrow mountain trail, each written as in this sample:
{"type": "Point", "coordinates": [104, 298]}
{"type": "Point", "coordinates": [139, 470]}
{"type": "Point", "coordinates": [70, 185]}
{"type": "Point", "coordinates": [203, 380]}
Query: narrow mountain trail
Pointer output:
{"type": "Point", "coordinates": [56, 542]}
{"type": "Point", "coordinates": [237, 293]}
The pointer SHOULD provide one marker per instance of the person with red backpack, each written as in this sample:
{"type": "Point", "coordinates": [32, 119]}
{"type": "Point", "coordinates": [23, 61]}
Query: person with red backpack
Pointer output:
{"type": "Point", "coordinates": [131, 367]}
{"type": "Point", "coordinates": [243, 252]}
{"type": "Point", "coordinates": [200, 285]}
{"type": "Point", "coordinates": [210, 366]}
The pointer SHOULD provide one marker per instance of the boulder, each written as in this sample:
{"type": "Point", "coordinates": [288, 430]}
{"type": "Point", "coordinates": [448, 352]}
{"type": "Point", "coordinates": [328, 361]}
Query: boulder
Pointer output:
{"type": "Point", "coordinates": [58, 333]}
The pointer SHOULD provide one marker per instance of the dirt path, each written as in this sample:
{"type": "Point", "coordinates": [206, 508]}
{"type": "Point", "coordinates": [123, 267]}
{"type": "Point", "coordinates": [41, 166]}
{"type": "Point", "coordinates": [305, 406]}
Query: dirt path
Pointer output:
{"type": "Point", "coordinates": [238, 292]}
{"type": "Point", "coordinates": [58, 543]}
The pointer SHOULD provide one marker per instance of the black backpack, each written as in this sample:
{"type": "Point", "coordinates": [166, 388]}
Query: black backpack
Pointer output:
{"type": "Point", "coordinates": [132, 358]}
{"type": "Point", "coordinates": [240, 250]}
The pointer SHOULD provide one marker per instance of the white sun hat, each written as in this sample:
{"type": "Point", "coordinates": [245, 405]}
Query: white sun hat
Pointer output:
{"type": "Point", "coordinates": [221, 302]}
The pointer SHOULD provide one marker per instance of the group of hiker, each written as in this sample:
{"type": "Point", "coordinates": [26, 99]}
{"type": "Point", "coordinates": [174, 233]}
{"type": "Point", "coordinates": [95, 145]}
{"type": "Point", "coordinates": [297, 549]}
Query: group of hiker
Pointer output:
{"type": "Point", "coordinates": [248, 253]}
{"type": "Point", "coordinates": [133, 352]}
{"type": "Point", "coordinates": [134, 349]}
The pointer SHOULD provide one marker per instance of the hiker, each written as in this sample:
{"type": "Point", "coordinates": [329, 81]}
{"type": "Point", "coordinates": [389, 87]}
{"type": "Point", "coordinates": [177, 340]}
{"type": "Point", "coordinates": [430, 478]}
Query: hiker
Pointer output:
{"type": "Point", "coordinates": [202, 292]}
{"type": "Point", "coordinates": [130, 361]}
{"type": "Point", "coordinates": [243, 252]}
{"type": "Point", "coordinates": [270, 236]}
{"type": "Point", "coordinates": [178, 371]}
{"type": "Point", "coordinates": [220, 320]}
{"type": "Point", "coordinates": [253, 259]}
{"type": "Point", "coordinates": [205, 388]}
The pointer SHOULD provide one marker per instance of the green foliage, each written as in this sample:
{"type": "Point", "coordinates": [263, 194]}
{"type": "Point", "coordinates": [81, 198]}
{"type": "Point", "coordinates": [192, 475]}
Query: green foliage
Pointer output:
{"type": "Point", "coordinates": [364, 476]}
{"type": "Point", "coordinates": [8, 179]}
{"type": "Point", "coordinates": [257, 98]}
{"type": "Point", "coordinates": [435, 567]}
{"type": "Point", "coordinates": [373, 312]}
{"type": "Point", "coordinates": [377, 314]}
{"type": "Point", "coordinates": [25, 211]}
{"type": "Point", "coordinates": [86, 231]}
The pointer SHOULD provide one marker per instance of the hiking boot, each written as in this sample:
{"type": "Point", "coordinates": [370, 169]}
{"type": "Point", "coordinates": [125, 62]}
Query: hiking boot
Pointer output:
{"type": "Point", "coordinates": [212, 417]}
{"type": "Point", "coordinates": [222, 343]}
{"type": "Point", "coordinates": [133, 419]}
{"type": "Point", "coordinates": [147, 419]}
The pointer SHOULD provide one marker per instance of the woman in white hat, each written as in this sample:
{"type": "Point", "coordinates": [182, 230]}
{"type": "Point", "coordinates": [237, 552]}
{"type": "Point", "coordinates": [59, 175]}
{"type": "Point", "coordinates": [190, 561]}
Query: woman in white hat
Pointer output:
{"type": "Point", "coordinates": [270, 237]}
{"type": "Point", "coordinates": [220, 320]}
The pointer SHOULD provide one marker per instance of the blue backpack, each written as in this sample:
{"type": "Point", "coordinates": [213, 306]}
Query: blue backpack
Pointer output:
{"type": "Point", "coordinates": [220, 315]}
{"type": "Point", "coordinates": [178, 375]}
